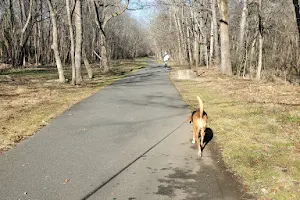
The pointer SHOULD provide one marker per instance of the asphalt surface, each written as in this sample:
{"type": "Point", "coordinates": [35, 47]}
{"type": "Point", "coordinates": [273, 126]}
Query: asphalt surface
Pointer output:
{"type": "Point", "coordinates": [128, 141]}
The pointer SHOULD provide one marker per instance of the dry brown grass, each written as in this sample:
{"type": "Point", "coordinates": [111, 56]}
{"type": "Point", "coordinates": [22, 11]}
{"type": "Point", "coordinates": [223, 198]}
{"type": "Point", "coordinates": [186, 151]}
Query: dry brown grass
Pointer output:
{"type": "Point", "coordinates": [30, 98]}
{"type": "Point", "coordinates": [257, 128]}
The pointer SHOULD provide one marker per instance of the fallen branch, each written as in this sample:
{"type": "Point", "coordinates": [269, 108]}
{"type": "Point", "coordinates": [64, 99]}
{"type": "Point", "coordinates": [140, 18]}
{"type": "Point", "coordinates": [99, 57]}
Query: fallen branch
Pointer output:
{"type": "Point", "coordinates": [97, 55]}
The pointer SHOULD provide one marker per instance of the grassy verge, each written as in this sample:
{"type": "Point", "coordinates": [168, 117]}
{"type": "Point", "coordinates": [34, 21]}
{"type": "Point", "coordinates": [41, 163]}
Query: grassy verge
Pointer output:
{"type": "Point", "coordinates": [257, 128]}
{"type": "Point", "coordinates": [30, 98]}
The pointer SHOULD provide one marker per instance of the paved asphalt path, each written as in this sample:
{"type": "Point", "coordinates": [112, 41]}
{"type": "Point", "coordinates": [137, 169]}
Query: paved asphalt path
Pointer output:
{"type": "Point", "coordinates": [127, 141]}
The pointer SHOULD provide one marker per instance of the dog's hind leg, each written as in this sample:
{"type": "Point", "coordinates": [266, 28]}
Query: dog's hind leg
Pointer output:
{"type": "Point", "coordinates": [198, 143]}
{"type": "Point", "coordinates": [202, 134]}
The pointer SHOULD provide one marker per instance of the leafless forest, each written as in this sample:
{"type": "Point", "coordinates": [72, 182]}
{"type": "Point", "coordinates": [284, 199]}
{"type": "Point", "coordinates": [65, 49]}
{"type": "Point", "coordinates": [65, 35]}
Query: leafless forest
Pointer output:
{"type": "Point", "coordinates": [248, 38]}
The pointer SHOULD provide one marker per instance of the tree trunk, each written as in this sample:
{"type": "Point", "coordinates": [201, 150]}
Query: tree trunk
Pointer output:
{"type": "Point", "coordinates": [54, 45]}
{"type": "Point", "coordinates": [189, 46]}
{"type": "Point", "coordinates": [48, 53]}
{"type": "Point", "coordinates": [21, 56]}
{"type": "Point", "coordinates": [205, 51]}
{"type": "Point", "coordinates": [260, 42]}
{"type": "Point", "coordinates": [78, 42]}
{"type": "Point", "coordinates": [197, 51]}
{"type": "Point", "coordinates": [251, 59]}
{"type": "Point", "coordinates": [240, 51]}
{"type": "Point", "coordinates": [216, 34]}
{"type": "Point", "coordinates": [10, 36]}
{"type": "Point", "coordinates": [36, 43]}
{"type": "Point", "coordinates": [72, 51]}
{"type": "Point", "coordinates": [104, 59]}
{"type": "Point", "coordinates": [87, 64]}
{"type": "Point", "coordinates": [182, 35]}
{"type": "Point", "coordinates": [27, 22]}
{"type": "Point", "coordinates": [196, 34]}
{"type": "Point", "coordinates": [203, 42]}
{"type": "Point", "coordinates": [41, 34]}
{"type": "Point", "coordinates": [226, 67]}
{"type": "Point", "coordinates": [211, 44]}
{"type": "Point", "coordinates": [178, 31]}
{"type": "Point", "coordinates": [259, 64]}
{"type": "Point", "coordinates": [297, 13]}
{"type": "Point", "coordinates": [243, 25]}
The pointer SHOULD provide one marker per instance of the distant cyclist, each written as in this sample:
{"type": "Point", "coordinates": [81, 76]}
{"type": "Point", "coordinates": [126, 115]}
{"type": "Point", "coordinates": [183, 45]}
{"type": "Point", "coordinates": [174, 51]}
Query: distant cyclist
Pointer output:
{"type": "Point", "coordinates": [166, 58]}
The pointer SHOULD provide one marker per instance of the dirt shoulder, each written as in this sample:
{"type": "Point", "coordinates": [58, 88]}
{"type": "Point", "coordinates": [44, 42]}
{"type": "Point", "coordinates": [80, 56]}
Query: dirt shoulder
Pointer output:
{"type": "Point", "coordinates": [257, 128]}
{"type": "Point", "coordinates": [31, 97]}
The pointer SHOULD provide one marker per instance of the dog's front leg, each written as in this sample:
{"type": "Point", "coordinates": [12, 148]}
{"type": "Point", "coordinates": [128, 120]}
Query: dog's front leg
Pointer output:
{"type": "Point", "coordinates": [194, 134]}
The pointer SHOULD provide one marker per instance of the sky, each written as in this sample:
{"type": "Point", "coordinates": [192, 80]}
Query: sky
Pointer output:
{"type": "Point", "coordinates": [142, 14]}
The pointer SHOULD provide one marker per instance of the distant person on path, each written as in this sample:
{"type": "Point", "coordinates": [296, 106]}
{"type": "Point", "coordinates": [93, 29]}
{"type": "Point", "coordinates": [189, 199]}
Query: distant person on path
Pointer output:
{"type": "Point", "coordinates": [166, 58]}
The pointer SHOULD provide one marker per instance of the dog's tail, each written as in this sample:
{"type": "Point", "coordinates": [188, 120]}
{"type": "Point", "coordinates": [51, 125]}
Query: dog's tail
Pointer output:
{"type": "Point", "coordinates": [200, 107]}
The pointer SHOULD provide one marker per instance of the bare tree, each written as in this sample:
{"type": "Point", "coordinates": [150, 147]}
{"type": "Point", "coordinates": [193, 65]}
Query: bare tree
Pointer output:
{"type": "Point", "coordinates": [243, 24]}
{"type": "Point", "coordinates": [22, 43]}
{"type": "Point", "coordinates": [226, 67]}
{"type": "Point", "coordinates": [297, 15]}
{"type": "Point", "coordinates": [104, 12]}
{"type": "Point", "coordinates": [179, 33]}
{"type": "Point", "coordinates": [78, 42]}
{"type": "Point", "coordinates": [54, 45]}
{"type": "Point", "coordinates": [215, 32]}
{"type": "Point", "coordinates": [72, 48]}
{"type": "Point", "coordinates": [260, 40]}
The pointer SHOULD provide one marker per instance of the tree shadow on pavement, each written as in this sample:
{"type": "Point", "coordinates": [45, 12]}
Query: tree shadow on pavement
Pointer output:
{"type": "Point", "coordinates": [203, 184]}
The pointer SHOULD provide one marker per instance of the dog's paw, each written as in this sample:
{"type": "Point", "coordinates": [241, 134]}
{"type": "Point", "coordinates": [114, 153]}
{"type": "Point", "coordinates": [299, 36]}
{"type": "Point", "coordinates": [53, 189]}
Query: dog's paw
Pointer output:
{"type": "Point", "coordinates": [200, 153]}
{"type": "Point", "coordinates": [193, 141]}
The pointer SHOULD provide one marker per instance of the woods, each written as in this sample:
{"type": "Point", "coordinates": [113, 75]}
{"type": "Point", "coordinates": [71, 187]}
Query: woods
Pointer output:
{"type": "Point", "coordinates": [66, 33]}
{"type": "Point", "coordinates": [247, 38]}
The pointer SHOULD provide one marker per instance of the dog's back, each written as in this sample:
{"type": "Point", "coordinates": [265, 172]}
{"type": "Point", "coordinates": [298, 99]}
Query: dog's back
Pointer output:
{"type": "Point", "coordinates": [196, 114]}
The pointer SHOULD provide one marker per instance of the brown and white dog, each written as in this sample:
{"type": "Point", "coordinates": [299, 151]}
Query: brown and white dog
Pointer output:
{"type": "Point", "coordinates": [198, 119]}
